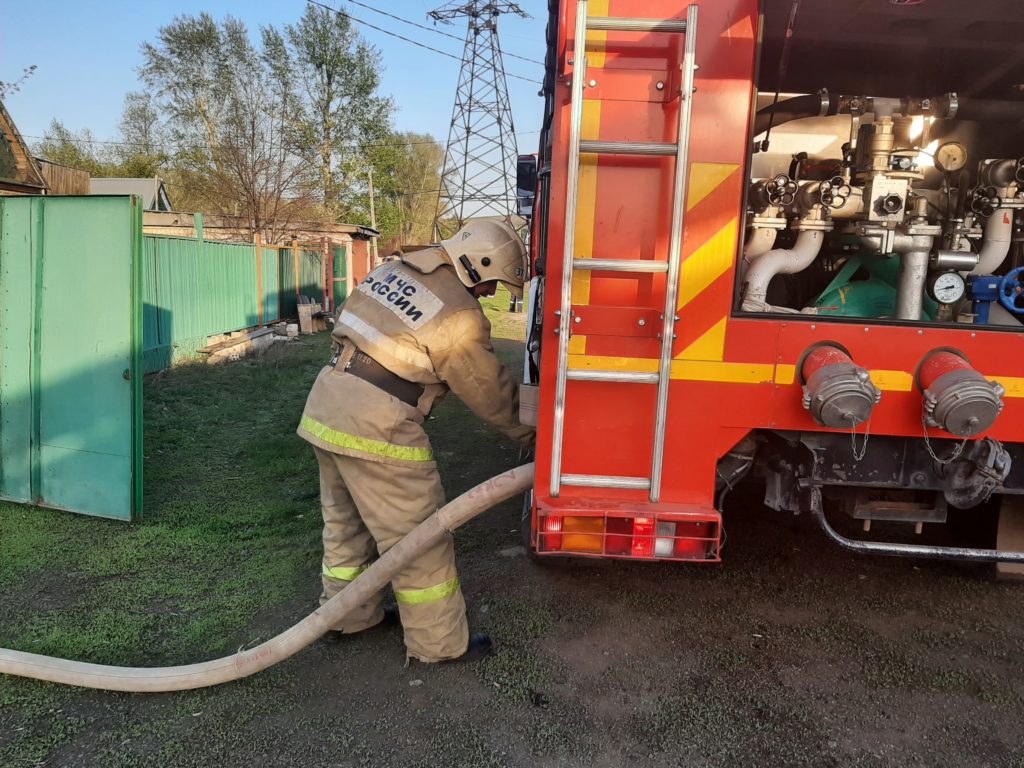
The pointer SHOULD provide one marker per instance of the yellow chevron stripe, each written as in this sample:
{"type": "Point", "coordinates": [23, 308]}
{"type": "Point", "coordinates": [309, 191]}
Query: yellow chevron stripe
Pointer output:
{"type": "Point", "coordinates": [586, 205]}
{"type": "Point", "coordinates": [708, 263]}
{"type": "Point", "coordinates": [596, 40]}
{"type": "Point", "coordinates": [710, 346]}
{"type": "Point", "coordinates": [585, 213]}
{"type": "Point", "coordinates": [705, 178]}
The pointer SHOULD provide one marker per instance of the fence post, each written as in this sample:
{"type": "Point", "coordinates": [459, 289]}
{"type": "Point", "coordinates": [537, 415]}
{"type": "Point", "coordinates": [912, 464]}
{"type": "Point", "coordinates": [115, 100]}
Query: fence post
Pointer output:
{"type": "Point", "coordinates": [295, 257]}
{"type": "Point", "coordinates": [348, 267]}
{"type": "Point", "coordinates": [258, 241]}
{"type": "Point", "coordinates": [326, 273]}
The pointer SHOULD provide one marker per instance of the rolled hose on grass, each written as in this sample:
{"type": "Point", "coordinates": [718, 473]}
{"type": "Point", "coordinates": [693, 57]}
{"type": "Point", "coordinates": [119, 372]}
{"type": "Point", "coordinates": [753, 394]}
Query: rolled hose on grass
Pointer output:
{"type": "Point", "coordinates": [291, 641]}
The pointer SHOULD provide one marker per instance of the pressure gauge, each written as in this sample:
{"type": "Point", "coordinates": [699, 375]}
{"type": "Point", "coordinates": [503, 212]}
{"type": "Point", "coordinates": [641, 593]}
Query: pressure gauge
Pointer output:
{"type": "Point", "coordinates": [951, 157]}
{"type": "Point", "coordinates": [947, 287]}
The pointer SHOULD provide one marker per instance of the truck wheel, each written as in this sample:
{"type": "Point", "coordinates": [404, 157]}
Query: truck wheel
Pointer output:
{"type": "Point", "coordinates": [1010, 535]}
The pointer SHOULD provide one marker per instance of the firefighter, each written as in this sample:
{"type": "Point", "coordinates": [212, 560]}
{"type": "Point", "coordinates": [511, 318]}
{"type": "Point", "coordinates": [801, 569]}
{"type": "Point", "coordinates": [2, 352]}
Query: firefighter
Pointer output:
{"type": "Point", "coordinates": [411, 331]}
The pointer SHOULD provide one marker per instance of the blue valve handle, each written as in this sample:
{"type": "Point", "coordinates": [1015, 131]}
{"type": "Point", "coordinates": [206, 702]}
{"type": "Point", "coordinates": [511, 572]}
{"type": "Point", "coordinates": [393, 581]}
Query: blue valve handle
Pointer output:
{"type": "Point", "coordinates": [1011, 291]}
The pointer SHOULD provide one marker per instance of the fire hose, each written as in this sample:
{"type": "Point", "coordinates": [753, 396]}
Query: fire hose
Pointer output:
{"type": "Point", "coordinates": [291, 641]}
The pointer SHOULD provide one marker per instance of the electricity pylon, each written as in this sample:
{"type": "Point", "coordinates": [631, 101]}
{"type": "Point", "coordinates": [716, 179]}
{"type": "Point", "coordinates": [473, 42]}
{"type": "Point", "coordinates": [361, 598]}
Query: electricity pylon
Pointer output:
{"type": "Point", "coordinates": [480, 160]}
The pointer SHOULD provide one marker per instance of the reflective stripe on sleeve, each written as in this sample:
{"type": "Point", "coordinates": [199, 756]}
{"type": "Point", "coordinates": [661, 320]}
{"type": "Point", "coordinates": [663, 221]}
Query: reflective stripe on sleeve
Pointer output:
{"type": "Point", "coordinates": [428, 595]}
{"type": "Point", "coordinates": [342, 573]}
{"type": "Point", "coordinates": [364, 444]}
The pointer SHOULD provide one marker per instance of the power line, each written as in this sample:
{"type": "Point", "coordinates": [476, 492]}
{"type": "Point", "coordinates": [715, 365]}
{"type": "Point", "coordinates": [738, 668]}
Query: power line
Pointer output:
{"type": "Point", "coordinates": [409, 40]}
{"type": "Point", "coordinates": [438, 31]}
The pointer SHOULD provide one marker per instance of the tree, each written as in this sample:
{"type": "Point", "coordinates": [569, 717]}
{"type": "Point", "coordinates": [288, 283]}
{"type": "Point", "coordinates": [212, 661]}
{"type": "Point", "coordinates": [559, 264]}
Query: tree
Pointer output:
{"type": "Point", "coordinates": [338, 74]}
{"type": "Point", "coordinates": [409, 174]}
{"type": "Point", "coordinates": [192, 69]}
{"type": "Point", "coordinates": [142, 148]}
{"type": "Point", "coordinates": [75, 150]}
{"type": "Point", "coordinates": [229, 108]}
{"type": "Point", "coordinates": [11, 87]}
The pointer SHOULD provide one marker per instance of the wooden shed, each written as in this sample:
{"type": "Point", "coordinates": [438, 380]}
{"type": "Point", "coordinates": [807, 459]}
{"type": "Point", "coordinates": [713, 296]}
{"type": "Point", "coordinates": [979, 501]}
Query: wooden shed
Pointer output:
{"type": "Point", "coordinates": [19, 174]}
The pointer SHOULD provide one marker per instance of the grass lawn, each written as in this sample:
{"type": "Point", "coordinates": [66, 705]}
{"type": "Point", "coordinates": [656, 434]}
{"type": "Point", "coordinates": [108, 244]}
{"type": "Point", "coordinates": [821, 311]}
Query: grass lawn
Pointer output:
{"type": "Point", "coordinates": [227, 553]}
{"type": "Point", "coordinates": [790, 653]}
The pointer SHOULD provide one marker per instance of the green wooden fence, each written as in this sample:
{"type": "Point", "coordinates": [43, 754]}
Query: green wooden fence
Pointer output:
{"type": "Point", "coordinates": [196, 288]}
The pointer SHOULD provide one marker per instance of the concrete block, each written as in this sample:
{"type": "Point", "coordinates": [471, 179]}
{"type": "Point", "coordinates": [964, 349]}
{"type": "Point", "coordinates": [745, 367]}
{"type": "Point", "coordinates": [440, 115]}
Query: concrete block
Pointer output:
{"type": "Point", "coordinates": [306, 317]}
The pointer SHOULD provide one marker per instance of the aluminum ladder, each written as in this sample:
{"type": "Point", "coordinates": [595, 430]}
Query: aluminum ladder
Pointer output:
{"type": "Point", "coordinates": [671, 267]}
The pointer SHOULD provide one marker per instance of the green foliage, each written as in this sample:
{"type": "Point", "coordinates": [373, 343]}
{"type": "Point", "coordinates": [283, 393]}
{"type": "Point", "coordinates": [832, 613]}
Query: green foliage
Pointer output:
{"type": "Point", "coordinates": [272, 131]}
{"type": "Point", "coordinates": [407, 176]}
{"type": "Point", "coordinates": [79, 149]}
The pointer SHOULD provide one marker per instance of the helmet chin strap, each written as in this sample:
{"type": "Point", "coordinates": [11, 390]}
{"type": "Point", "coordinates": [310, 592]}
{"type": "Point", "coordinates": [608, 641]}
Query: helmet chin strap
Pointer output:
{"type": "Point", "coordinates": [470, 269]}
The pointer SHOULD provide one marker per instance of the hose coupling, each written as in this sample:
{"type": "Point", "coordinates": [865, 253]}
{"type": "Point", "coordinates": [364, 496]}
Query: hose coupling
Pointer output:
{"type": "Point", "coordinates": [957, 398]}
{"type": "Point", "coordinates": [838, 393]}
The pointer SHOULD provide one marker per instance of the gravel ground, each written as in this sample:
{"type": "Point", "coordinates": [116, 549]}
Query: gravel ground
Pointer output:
{"type": "Point", "coordinates": [789, 653]}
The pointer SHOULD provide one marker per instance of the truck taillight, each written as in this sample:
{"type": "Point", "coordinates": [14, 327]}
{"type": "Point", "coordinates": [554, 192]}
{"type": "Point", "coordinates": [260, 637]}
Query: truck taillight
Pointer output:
{"type": "Point", "coordinates": [643, 536]}
{"type": "Point", "coordinates": [552, 532]}
{"type": "Point", "coordinates": [665, 544]}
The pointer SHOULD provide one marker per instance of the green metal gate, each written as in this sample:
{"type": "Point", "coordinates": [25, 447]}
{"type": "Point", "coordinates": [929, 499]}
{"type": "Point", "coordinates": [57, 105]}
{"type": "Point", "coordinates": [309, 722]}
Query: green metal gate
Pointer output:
{"type": "Point", "coordinates": [70, 353]}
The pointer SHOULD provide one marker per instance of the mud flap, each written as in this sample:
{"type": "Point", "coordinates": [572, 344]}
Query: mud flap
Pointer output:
{"type": "Point", "coordinates": [1010, 535]}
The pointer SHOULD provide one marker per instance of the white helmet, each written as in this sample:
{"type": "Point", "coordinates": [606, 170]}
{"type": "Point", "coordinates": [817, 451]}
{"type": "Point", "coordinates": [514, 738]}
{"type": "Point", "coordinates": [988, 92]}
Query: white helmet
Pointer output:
{"type": "Point", "coordinates": [488, 250]}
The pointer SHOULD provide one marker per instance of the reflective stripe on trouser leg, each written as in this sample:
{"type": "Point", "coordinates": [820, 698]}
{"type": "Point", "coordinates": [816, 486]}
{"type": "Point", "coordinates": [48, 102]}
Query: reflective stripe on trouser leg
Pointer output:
{"type": "Point", "coordinates": [392, 500]}
{"type": "Point", "coordinates": [348, 546]}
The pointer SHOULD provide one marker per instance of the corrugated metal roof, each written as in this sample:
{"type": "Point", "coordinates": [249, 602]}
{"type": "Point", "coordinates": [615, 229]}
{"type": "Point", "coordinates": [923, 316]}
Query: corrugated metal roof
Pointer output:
{"type": "Point", "coordinates": [154, 196]}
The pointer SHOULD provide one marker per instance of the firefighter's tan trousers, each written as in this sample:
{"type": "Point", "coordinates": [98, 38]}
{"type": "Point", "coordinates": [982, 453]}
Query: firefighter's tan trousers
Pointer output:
{"type": "Point", "coordinates": [368, 507]}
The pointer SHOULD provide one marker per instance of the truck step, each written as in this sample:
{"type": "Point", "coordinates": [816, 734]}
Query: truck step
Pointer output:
{"type": "Point", "coordinates": [620, 265]}
{"type": "Point", "coordinates": [651, 148]}
{"type": "Point", "coordinates": [623, 24]}
{"type": "Point", "coordinates": [625, 377]}
{"type": "Point", "coordinates": [607, 481]}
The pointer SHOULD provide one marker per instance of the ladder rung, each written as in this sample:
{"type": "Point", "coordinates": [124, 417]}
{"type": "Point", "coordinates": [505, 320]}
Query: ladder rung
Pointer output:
{"type": "Point", "coordinates": [621, 265]}
{"type": "Point", "coordinates": [627, 377]}
{"type": "Point", "coordinates": [629, 148]}
{"type": "Point", "coordinates": [607, 481]}
{"type": "Point", "coordinates": [622, 24]}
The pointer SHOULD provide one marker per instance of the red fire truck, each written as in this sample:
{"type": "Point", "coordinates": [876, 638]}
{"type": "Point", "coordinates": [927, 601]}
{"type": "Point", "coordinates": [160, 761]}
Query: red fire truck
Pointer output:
{"type": "Point", "coordinates": [778, 240]}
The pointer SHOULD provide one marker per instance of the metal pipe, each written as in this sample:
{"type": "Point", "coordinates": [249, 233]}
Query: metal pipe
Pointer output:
{"type": "Point", "coordinates": [781, 261]}
{"type": "Point", "coordinates": [288, 643]}
{"type": "Point", "coordinates": [961, 261]}
{"type": "Point", "coordinates": [965, 554]}
{"type": "Point", "coordinates": [948, 106]}
{"type": "Point", "coordinates": [915, 252]}
{"type": "Point", "coordinates": [761, 240]}
{"type": "Point", "coordinates": [913, 274]}
{"type": "Point", "coordinates": [995, 246]}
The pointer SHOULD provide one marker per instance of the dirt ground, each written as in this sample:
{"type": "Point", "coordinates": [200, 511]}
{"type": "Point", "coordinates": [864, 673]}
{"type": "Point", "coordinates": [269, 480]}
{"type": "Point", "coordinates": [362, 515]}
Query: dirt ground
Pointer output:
{"type": "Point", "coordinates": [789, 653]}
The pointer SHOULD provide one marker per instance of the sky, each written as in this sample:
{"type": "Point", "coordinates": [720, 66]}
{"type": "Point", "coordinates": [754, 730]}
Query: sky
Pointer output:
{"type": "Point", "coordinates": [87, 54]}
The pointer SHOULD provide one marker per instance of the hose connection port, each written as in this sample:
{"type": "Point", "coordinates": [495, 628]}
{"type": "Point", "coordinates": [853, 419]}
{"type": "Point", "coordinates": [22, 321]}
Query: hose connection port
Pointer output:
{"type": "Point", "coordinates": [838, 393]}
{"type": "Point", "coordinates": [957, 398]}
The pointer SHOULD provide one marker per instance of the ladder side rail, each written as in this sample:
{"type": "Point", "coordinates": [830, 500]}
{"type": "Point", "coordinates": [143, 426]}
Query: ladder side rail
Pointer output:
{"type": "Point", "coordinates": [579, 77]}
{"type": "Point", "coordinates": [675, 250]}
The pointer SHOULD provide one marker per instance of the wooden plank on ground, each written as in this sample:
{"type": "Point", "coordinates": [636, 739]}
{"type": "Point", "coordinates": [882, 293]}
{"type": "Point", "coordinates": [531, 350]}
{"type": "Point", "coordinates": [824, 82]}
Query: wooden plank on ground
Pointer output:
{"type": "Point", "coordinates": [240, 339]}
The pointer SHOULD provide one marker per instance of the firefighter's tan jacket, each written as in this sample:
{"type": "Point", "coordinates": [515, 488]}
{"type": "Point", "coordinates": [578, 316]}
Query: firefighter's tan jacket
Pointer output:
{"type": "Point", "coordinates": [416, 318]}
